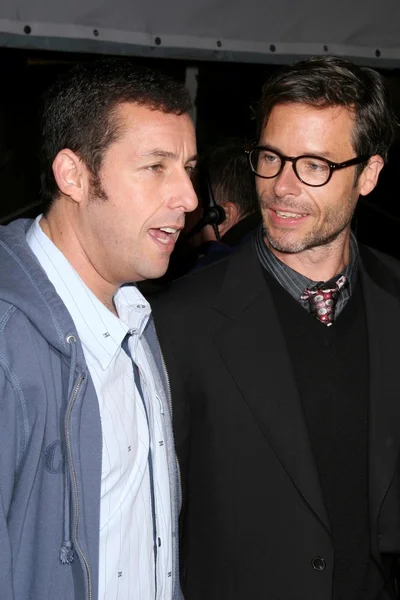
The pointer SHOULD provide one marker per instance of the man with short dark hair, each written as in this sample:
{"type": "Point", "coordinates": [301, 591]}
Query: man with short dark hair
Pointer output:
{"type": "Point", "coordinates": [89, 487]}
{"type": "Point", "coordinates": [286, 394]}
{"type": "Point", "coordinates": [223, 172]}
{"type": "Point", "coordinates": [228, 205]}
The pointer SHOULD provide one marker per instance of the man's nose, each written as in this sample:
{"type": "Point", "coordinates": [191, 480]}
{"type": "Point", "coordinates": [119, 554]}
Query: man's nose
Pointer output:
{"type": "Point", "coordinates": [287, 181]}
{"type": "Point", "coordinates": [185, 194]}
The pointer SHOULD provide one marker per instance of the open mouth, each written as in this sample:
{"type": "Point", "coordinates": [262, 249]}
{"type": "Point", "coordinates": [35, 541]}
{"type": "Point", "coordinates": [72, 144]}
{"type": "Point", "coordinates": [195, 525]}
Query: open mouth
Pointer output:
{"type": "Point", "coordinates": [165, 235]}
{"type": "Point", "coordinates": [289, 215]}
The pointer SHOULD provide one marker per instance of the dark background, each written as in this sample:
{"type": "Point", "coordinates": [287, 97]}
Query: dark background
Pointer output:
{"type": "Point", "coordinates": [226, 96]}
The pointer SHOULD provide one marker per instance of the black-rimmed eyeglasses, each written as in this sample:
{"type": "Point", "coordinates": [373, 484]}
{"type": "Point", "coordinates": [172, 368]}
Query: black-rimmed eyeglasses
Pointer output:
{"type": "Point", "coordinates": [311, 170]}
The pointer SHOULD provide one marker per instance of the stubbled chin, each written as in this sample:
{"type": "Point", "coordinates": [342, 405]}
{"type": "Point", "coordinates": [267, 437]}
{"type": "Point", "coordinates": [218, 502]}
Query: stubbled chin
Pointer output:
{"type": "Point", "coordinates": [288, 244]}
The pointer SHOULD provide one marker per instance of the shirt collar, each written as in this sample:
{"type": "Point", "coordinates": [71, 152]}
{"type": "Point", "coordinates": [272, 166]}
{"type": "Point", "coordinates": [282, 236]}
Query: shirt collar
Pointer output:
{"type": "Point", "coordinates": [100, 331]}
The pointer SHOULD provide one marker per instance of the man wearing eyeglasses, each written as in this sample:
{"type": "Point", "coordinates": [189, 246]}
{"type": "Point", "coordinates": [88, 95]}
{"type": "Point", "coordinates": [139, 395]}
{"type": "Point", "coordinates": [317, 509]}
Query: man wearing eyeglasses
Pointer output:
{"type": "Point", "coordinates": [287, 396]}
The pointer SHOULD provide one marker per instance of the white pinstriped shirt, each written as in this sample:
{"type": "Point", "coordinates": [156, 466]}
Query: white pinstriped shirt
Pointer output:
{"type": "Point", "coordinates": [127, 569]}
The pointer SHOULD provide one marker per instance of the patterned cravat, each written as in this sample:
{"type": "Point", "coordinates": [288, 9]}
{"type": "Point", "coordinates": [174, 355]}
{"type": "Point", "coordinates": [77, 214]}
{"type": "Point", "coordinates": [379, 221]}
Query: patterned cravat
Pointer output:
{"type": "Point", "coordinates": [322, 299]}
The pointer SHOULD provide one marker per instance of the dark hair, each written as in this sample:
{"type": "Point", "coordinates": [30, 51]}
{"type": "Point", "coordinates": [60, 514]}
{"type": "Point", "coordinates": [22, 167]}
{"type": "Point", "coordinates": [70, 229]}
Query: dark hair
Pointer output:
{"type": "Point", "coordinates": [230, 177]}
{"type": "Point", "coordinates": [79, 110]}
{"type": "Point", "coordinates": [324, 81]}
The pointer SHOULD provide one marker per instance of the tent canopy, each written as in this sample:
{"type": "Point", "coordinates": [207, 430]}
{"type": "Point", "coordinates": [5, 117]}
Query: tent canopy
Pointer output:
{"type": "Point", "coordinates": [233, 30]}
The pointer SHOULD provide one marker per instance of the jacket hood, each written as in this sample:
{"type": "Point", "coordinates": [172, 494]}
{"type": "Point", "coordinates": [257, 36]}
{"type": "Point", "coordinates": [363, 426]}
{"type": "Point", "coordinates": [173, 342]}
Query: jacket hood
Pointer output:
{"type": "Point", "coordinates": [25, 285]}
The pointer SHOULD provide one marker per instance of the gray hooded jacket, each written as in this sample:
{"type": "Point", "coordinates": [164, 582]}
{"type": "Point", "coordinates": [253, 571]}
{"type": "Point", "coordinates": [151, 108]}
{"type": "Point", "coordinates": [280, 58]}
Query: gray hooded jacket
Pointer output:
{"type": "Point", "coordinates": [50, 438]}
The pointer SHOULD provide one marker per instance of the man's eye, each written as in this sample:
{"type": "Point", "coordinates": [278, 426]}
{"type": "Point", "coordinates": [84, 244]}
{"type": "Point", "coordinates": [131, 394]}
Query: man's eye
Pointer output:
{"type": "Point", "coordinates": [190, 170]}
{"type": "Point", "coordinates": [269, 158]}
{"type": "Point", "coordinates": [156, 168]}
{"type": "Point", "coordinates": [316, 166]}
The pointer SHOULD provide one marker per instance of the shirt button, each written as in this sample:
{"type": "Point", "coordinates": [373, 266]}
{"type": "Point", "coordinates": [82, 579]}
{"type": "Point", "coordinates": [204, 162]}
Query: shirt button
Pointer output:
{"type": "Point", "coordinates": [318, 563]}
{"type": "Point", "coordinates": [159, 542]}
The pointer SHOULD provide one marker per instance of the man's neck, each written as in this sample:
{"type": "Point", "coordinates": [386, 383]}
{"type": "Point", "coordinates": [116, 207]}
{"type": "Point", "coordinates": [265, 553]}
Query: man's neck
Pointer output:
{"type": "Point", "coordinates": [63, 237]}
{"type": "Point", "coordinates": [320, 263]}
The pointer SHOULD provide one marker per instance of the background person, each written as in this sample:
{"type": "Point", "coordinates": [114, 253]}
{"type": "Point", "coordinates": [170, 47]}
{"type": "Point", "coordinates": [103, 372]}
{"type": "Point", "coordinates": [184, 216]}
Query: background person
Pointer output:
{"type": "Point", "coordinates": [224, 180]}
{"type": "Point", "coordinates": [227, 213]}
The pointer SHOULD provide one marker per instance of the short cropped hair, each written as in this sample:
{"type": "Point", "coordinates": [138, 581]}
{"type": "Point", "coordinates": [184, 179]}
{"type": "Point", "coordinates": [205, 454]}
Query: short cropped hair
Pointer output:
{"type": "Point", "coordinates": [230, 177]}
{"type": "Point", "coordinates": [79, 111]}
{"type": "Point", "coordinates": [327, 81]}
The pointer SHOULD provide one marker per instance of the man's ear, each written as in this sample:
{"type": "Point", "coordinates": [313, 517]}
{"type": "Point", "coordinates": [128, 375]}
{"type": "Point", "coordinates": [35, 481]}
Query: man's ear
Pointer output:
{"type": "Point", "coordinates": [369, 177]}
{"type": "Point", "coordinates": [71, 175]}
{"type": "Point", "coordinates": [232, 216]}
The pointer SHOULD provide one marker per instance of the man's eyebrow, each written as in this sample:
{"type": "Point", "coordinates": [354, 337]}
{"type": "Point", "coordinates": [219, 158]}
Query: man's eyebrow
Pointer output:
{"type": "Point", "coordinates": [320, 154]}
{"type": "Point", "coordinates": [166, 154]}
{"type": "Point", "coordinates": [160, 153]}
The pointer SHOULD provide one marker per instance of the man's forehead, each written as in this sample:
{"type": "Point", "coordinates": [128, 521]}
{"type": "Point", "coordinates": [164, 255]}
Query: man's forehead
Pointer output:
{"type": "Point", "coordinates": [155, 131]}
{"type": "Point", "coordinates": [302, 111]}
{"type": "Point", "coordinates": [139, 113]}
{"type": "Point", "coordinates": [305, 123]}
{"type": "Point", "coordinates": [135, 118]}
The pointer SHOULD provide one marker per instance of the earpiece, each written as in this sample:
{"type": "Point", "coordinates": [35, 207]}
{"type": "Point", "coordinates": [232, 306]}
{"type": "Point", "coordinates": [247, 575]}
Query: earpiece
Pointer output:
{"type": "Point", "coordinates": [213, 214]}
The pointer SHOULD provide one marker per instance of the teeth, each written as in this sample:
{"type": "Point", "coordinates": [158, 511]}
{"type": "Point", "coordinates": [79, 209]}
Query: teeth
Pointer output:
{"type": "Point", "coordinates": [168, 229]}
{"type": "Point", "coordinates": [286, 215]}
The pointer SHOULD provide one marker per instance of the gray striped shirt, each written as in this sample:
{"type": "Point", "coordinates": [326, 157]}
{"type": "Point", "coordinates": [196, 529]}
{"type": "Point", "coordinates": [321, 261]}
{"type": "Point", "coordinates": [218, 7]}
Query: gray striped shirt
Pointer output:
{"type": "Point", "coordinates": [295, 283]}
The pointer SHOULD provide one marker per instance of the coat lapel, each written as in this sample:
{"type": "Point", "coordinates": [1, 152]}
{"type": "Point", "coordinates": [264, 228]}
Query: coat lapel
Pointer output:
{"type": "Point", "coordinates": [252, 346]}
{"type": "Point", "coordinates": [381, 295]}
